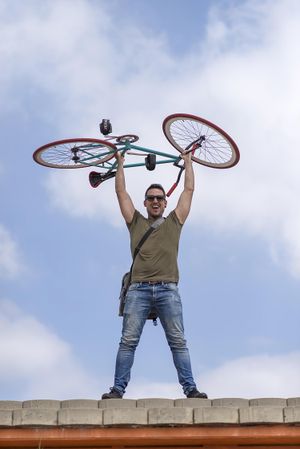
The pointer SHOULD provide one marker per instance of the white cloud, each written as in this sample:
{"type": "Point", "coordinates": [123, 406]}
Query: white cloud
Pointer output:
{"type": "Point", "coordinates": [72, 193]}
{"type": "Point", "coordinates": [11, 264]}
{"type": "Point", "coordinates": [248, 377]}
{"type": "Point", "coordinates": [145, 389]}
{"type": "Point", "coordinates": [36, 361]}
{"type": "Point", "coordinates": [254, 377]}
{"type": "Point", "coordinates": [243, 76]}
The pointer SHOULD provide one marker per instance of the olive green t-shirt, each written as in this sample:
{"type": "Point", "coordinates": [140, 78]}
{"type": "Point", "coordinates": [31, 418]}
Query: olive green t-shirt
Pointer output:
{"type": "Point", "coordinates": [157, 258]}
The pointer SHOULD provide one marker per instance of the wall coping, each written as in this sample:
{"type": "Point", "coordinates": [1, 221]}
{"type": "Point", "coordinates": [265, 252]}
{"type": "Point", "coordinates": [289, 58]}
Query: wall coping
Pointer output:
{"type": "Point", "coordinates": [150, 412]}
{"type": "Point", "coordinates": [269, 423]}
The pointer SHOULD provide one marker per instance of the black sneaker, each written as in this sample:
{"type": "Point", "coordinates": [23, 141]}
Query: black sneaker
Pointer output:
{"type": "Point", "coordinates": [196, 394]}
{"type": "Point", "coordinates": [113, 394]}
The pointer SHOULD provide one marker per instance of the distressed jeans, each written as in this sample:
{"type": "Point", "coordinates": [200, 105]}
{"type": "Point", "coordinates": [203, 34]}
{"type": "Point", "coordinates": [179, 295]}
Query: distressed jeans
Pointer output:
{"type": "Point", "coordinates": [141, 297]}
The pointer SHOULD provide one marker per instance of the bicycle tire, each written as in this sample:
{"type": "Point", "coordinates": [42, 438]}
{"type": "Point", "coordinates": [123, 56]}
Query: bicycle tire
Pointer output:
{"type": "Point", "coordinates": [74, 153]}
{"type": "Point", "coordinates": [216, 149]}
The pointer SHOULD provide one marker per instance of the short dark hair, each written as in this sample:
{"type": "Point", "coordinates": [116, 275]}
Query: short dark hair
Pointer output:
{"type": "Point", "coordinates": [156, 186]}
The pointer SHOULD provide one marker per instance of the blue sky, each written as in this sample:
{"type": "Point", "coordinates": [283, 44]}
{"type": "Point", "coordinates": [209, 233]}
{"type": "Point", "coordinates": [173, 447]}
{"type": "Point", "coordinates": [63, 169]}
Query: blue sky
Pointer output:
{"type": "Point", "coordinates": [64, 247]}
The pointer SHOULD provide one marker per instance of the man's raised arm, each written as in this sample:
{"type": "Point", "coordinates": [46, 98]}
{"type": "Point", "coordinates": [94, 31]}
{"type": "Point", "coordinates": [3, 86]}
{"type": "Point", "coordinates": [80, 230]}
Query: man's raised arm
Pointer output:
{"type": "Point", "coordinates": [125, 202]}
{"type": "Point", "coordinates": [185, 200]}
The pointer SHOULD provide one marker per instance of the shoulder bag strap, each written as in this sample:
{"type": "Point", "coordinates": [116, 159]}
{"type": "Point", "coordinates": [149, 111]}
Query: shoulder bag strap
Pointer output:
{"type": "Point", "coordinates": [154, 225]}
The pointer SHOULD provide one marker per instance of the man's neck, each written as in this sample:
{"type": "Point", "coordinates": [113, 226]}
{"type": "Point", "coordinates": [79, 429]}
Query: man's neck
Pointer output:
{"type": "Point", "coordinates": [151, 219]}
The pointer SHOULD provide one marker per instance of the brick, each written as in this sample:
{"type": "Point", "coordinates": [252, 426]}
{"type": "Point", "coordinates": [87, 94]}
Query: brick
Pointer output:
{"type": "Point", "coordinates": [10, 405]}
{"type": "Point", "coordinates": [192, 402]}
{"type": "Point", "coordinates": [80, 416]}
{"type": "Point", "coordinates": [42, 403]}
{"type": "Point", "coordinates": [125, 416]}
{"type": "Point", "coordinates": [230, 402]}
{"type": "Point", "coordinates": [80, 403]}
{"type": "Point", "coordinates": [6, 418]}
{"type": "Point", "coordinates": [170, 416]}
{"type": "Point", "coordinates": [35, 417]}
{"type": "Point", "coordinates": [216, 415]}
{"type": "Point", "coordinates": [260, 414]}
{"type": "Point", "coordinates": [155, 403]}
{"type": "Point", "coordinates": [293, 402]}
{"type": "Point", "coordinates": [268, 402]}
{"type": "Point", "coordinates": [117, 403]}
{"type": "Point", "coordinates": [292, 415]}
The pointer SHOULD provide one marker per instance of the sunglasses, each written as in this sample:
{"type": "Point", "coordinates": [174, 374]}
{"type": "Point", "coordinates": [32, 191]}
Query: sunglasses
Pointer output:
{"type": "Point", "coordinates": [153, 197]}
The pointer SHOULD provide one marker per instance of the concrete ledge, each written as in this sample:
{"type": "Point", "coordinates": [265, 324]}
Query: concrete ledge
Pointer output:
{"type": "Point", "coordinates": [292, 415]}
{"type": "Point", "coordinates": [150, 411]}
{"type": "Point", "coordinates": [76, 417]}
{"type": "Point", "coordinates": [10, 405]}
{"type": "Point", "coordinates": [170, 416]}
{"type": "Point", "coordinates": [261, 415]}
{"type": "Point", "coordinates": [216, 415]}
{"type": "Point", "coordinates": [35, 417]}
{"type": "Point", "coordinates": [230, 402]}
{"type": "Point", "coordinates": [117, 403]}
{"type": "Point", "coordinates": [79, 403]}
{"type": "Point", "coordinates": [6, 418]}
{"type": "Point", "coordinates": [268, 402]}
{"type": "Point", "coordinates": [293, 402]}
{"type": "Point", "coordinates": [42, 403]}
{"type": "Point", "coordinates": [125, 416]}
{"type": "Point", "coordinates": [155, 403]}
{"type": "Point", "coordinates": [192, 402]}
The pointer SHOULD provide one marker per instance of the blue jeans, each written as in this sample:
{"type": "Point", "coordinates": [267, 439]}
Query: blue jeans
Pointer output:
{"type": "Point", "coordinates": [164, 296]}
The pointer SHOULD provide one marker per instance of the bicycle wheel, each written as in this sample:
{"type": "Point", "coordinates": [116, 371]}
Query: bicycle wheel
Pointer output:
{"type": "Point", "coordinates": [211, 146]}
{"type": "Point", "coordinates": [74, 153]}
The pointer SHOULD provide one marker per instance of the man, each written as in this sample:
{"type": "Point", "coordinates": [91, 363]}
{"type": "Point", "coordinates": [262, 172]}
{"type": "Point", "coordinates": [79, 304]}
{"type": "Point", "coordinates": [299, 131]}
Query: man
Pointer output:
{"type": "Point", "coordinates": [154, 279]}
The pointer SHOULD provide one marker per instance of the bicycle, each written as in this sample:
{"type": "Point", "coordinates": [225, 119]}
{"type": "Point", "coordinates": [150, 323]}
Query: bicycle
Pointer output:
{"type": "Point", "coordinates": [209, 144]}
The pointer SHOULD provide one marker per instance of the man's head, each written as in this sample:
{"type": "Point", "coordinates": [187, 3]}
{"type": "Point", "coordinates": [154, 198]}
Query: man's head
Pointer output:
{"type": "Point", "coordinates": [155, 200]}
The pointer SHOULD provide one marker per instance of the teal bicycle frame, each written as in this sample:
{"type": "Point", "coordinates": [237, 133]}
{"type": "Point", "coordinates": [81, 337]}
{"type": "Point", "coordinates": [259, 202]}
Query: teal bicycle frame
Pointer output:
{"type": "Point", "coordinates": [110, 166]}
{"type": "Point", "coordinates": [126, 147]}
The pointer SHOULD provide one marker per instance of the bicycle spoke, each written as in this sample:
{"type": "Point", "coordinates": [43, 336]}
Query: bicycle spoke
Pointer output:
{"type": "Point", "coordinates": [74, 153]}
{"type": "Point", "coordinates": [216, 148]}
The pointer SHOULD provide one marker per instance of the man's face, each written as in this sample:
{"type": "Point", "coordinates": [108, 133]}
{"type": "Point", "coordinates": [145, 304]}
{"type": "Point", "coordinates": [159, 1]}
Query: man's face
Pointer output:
{"type": "Point", "coordinates": [155, 203]}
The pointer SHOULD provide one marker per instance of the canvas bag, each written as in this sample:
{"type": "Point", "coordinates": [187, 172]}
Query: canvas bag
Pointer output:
{"type": "Point", "coordinates": [126, 279]}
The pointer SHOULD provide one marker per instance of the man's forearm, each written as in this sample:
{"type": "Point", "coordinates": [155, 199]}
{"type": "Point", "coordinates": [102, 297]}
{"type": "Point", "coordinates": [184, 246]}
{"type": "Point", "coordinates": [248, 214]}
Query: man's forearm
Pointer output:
{"type": "Point", "coordinates": [120, 185]}
{"type": "Point", "coordinates": [125, 202]}
{"type": "Point", "coordinates": [185, 200]}
{"type": "Point", "coordinates": [189, 178]}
